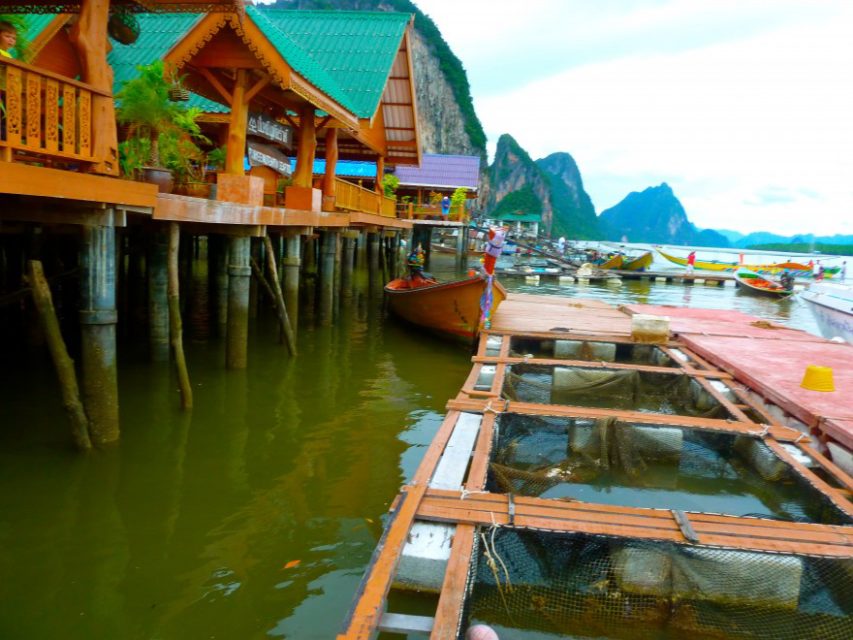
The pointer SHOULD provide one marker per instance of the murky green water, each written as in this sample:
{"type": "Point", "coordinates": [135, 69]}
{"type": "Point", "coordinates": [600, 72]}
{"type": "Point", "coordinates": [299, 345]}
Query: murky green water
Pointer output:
{"type": "Point", "coordinates": [255, 515]}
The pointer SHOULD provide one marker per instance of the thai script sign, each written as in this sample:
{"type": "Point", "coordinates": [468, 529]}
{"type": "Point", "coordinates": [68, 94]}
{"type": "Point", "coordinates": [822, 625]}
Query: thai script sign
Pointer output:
{"type": "Point", "coordinates": [265, 127]}
{"type": "Point", "coordinates": [268, 156]}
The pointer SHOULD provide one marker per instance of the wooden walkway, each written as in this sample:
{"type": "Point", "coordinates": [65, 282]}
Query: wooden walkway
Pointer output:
{"type": "Point", "coordinates": [728, 371]}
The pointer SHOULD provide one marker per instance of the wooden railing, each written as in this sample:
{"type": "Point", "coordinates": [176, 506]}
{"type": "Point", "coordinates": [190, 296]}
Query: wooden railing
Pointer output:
{"type": "Point", "coordinates": [353, 197]}
{"type": "Point", "coordinates": [46, 117]}
{"type": "Point", "coordinates": [431, 212]}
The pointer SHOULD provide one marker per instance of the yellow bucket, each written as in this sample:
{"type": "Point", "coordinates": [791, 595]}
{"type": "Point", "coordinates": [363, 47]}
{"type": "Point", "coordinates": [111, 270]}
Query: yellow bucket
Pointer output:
{"type": "Point", "coordinates": [818, 378]}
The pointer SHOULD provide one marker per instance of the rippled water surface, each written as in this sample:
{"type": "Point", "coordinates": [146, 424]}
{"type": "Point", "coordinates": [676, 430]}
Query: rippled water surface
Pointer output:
{"type": "Point", "coordinates": [254, 515]}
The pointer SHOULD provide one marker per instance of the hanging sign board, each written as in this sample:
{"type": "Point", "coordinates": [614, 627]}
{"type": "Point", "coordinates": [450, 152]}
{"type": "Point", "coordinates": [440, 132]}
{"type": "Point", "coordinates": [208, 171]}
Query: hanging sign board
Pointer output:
{"type": "Point", "coordinates": [263, 126]}
{"type": "Point", "coordinates": [267, 155]}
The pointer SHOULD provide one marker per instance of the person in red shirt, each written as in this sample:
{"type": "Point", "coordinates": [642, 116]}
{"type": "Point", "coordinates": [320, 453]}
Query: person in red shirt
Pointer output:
{"type": "Point", "coordinates": [691, 261]}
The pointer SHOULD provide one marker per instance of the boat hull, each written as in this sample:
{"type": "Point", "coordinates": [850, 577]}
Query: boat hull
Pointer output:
{"type": "Point", "coordinates": [832, 307]}
{"type": "Point", "coordinates": [752, 282]}
{"type": "Point", "coordinates": [640, 263]}
{"type": "Point", "coordinates": [449, 308]}
{"type": "Point", "coordinates": [795, 268]}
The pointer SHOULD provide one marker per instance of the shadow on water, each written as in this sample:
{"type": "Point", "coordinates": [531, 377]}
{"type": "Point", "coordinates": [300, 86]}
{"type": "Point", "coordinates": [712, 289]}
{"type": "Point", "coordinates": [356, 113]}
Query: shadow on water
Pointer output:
{"type": "Point", "coordinates": [253, 516]}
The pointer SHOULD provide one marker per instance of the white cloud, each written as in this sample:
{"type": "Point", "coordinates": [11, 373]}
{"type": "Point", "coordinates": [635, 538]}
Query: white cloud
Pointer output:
{"type": "Point", "coordinates": [760, 103]}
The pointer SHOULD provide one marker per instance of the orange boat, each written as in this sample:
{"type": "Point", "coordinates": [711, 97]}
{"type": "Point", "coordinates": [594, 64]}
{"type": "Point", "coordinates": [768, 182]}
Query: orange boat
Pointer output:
{"type": "Point", "coordinates": [448, 308]}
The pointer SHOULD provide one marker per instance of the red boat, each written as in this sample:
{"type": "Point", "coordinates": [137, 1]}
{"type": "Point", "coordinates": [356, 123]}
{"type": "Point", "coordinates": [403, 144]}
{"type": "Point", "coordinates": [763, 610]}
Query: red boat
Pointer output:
{"type": "Point", "coordinates": [449, 308]}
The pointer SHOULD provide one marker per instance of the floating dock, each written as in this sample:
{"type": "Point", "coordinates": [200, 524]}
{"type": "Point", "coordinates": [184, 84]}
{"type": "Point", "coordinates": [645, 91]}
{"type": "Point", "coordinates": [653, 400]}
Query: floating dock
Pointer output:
{"type": "Point", "coordinates": [590, 480]}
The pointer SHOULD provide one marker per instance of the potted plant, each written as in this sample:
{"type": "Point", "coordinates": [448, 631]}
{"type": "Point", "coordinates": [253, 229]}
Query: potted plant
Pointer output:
{"type": "Point", "coordinates": [144, 106]}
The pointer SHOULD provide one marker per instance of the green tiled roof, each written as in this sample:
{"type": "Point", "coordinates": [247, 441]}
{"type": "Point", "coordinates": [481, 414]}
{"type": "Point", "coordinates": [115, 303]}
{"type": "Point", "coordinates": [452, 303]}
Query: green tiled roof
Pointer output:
{"type": "Point", "coordinates": [356, 48]}
{"type": "Point", "coordinates": [346, 54]}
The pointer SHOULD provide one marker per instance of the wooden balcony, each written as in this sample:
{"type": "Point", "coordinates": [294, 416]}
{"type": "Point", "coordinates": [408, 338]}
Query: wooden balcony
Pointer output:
{"type": "Point", "coordinates": [353, 197]}
{"type": "Point", "coordinates": [47, 118]}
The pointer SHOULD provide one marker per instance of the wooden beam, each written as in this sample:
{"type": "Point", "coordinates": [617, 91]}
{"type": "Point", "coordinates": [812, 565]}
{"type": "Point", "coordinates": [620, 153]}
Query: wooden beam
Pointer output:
{"type": "Point", "coordinates": [216, 84]}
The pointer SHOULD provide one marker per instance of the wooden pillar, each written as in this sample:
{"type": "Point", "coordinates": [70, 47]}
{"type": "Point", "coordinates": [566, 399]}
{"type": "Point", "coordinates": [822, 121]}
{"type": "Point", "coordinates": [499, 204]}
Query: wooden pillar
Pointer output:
{"type": "Point", "coordinates": [89, 36]}
{"type": "Point", "coordinates": [307, 148]}
{"type": "Point", "coordinates": [462, 248]}
{"type": "Point", "coordinates": [98, 332]}
{"type": "Point", "coordinates": [291, 263]}
{"type": "Point", "coordinates": [236, 147]}
{"type": "Point", "coordinates": [328, 249]}
{"type": "Point", "coordinates": [380, 173]}
{"type": "Point", "coordinates": [158, 302]}
{"type": "Point", "coordinates": [239, 274]}
{"type": "Point", "coordinates": [256, 254]}
{"type": "Point", "coordinates": [331, 167]}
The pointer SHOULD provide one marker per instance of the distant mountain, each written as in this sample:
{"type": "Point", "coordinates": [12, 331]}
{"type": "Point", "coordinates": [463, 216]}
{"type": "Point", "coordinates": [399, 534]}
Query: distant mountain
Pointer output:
{"type": "Point", "coordinates": [574, 214]}
{"type": "Point", "coordinates": [764, 238]}
{"type": "Point", "coordinates": [550, 188]}
{"type": "Point", "coordinates": [655, 216]}
{"type": "Point", "coordinates": [731, 236]}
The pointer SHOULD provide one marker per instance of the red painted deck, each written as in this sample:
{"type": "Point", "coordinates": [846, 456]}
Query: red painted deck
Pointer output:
{"type": "Point", "coordinates": [772, 361]}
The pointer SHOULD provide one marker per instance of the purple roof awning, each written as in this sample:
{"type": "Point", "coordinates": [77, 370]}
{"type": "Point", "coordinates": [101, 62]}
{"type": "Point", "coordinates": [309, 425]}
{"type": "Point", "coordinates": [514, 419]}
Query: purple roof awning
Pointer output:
{"type": "Point", "coordinates": [442, 171]}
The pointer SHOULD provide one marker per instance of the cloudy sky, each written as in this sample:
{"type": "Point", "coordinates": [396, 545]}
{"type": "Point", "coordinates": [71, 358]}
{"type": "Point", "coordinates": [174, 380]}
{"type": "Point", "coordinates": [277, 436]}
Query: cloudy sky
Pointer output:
{"type": "Point", "coordinates": [744, 107]}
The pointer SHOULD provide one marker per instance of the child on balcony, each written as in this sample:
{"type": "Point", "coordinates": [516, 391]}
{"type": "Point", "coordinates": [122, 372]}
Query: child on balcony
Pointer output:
{"type": "Point", "coordinates": [8, 38]}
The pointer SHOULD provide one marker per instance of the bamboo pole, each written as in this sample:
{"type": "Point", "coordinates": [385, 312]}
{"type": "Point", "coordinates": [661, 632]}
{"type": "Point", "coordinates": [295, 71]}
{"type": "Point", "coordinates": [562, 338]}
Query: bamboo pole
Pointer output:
{"type": "Point", "coordinates": [175, 326]}
{"type": "Point", "coordinates": [259, 274]}
{"type": "Point", "coordinates": [61, 360]}
{"type": "Point", "coordinates": [286, 327]}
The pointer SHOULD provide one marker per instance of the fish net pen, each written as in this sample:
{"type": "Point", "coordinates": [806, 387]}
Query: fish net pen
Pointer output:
{"type": "Point", "coordinates": [591, 350]}
{"type": "Point", "coordinates": [610, 461]}
{"type": "Point", "coordinates": [628, 389]}
{"type": "Point", "coordinates": [535, 585]}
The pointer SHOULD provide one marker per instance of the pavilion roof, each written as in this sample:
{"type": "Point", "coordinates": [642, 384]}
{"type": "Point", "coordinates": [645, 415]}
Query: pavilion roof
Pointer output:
{"type": "Point", "coordinates": [136, 6]}
{"type": "Point", "coordinates": [442, 171]}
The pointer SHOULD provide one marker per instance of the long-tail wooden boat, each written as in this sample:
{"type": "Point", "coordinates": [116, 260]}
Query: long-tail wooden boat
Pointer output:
{"type": "Point", "coordinates": [797, 269]}
{"type": "Point", "coordinates": [707, 265]}
{"type": "Point", "coordinates": [612, 263]}
{"type": "Point", "coordinates": [640, 263]}
{"type": "Point", "coordinates": [449, 308]}
{"type": "Point", "coordinates": [755, 283]}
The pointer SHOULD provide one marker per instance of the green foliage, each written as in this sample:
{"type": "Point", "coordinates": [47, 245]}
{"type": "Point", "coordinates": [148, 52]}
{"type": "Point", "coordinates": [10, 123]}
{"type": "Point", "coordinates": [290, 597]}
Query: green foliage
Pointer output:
{"type": "Point", "coordinates": [523, 201]}
{"type": "Point", "coordinates": [390, 182]}
{"type": "Point", "coordinates": [459, 197]}
{"type": "Point", "coordinates": [216, 158]}
{"type": "Point", "coordinates": [806, 247]}
{"type": "Point", "coordinates": [170, 128]}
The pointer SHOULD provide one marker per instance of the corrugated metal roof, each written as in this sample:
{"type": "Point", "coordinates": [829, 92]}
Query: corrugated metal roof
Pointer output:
{"type": "Point", "coordinates": [356, 48]}
{"type": "Point", "coordinates": [436, 170]}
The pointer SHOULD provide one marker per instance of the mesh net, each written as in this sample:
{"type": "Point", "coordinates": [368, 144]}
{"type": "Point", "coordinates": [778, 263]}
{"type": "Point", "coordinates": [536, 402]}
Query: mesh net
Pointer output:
{"type": "Point", "coordinates": [612, 389]}
{"type": "Point", "coordinates": [535, 585]}
{"type": "Point", "coordinates": [612, 462]}
{"type": "Point", "coordinates": [591, 350]}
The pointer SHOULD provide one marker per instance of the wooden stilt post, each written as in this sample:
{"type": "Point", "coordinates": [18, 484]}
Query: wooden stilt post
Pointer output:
{"type": "Point", "coordinates": [61, 360]}
{"type": "Point", "coordinates": [98, 319]}
{"type": "Point", "coordinates": [175, 325]}
{"type": "Point", "coordinates": [286, 327]}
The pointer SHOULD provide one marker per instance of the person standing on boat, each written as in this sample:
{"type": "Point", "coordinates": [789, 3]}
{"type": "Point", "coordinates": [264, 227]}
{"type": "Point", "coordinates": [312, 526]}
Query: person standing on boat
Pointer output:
{"type": "Point", "coordinates": [843, 272]}
{"type": "Point", "coordinates": [691, 262]}
{"type": "Point", "coordinates": [786, 279]}
{"type": "Point", "coordinates": [815, 269]}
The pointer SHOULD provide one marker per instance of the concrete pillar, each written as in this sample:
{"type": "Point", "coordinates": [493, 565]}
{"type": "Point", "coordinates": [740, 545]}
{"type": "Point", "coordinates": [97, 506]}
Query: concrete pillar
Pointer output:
{"type": "Point", "coordinates": [239, 274]}
{"type": "Point", "coordinates": [158, 302]}
{"type": "Point", "coordinates": [328, 249]}
{"type": "Point", "coordinates": [291, 263]}
{"type": "Point", "coordinates": [348, 251]}
{"type": "Point", "coordinates": [98, 318]}
{"type": "Point", "coordinates": [374, 251]}
{"type": "Point", "coordinates": [462, 248]}
{"type": "Point", "coordinates": [256, 253]}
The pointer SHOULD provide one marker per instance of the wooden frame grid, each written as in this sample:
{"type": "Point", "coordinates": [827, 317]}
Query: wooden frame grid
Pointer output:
{"type": "Point", "coordinates": [474, 507]}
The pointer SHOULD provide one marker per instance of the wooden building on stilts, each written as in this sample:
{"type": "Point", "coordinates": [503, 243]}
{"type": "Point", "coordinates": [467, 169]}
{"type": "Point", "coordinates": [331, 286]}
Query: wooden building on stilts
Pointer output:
{"type": "Point", "coordinates": [308, 84]}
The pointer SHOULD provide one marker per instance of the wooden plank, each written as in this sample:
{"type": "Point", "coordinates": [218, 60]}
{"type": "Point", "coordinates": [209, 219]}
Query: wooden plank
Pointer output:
{"type": "Point", "coordinates": [730, 531]}
{"type": "Point", "coordinates": [723, 400]}
{"type": "Point", "coordinates": [28, 180]}
{"type": "Point", "coordinates": [597, 364]}
{"type": "Point", "coordinates": [451, 468]}
{"type": "Point", "coordinates": [636, 417]}
{"type": "Point", "coordinates": [482, 454]}
{"type": "Point", "coordinates": [837, 499]}
{"type": "Point", "coordinates": [14, 107]}
{"type": "Point", "coordinates": [453, 588]}
{"type": "Point", "coordinates": [84, 116]}
{"type": "Point", "coordinates": [840, 476]}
